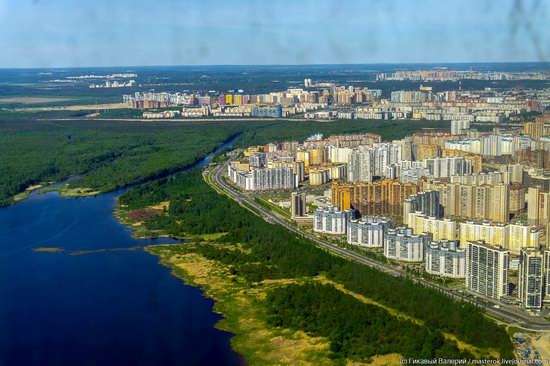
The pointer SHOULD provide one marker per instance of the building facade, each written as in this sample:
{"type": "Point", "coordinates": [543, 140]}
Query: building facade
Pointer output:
{"type": "Point", "coordinates": [402, 245]}
{"type": "Point", "coordinates": [331, 220]}
{"type": "Point", "coordinates": [368, 232]}
{"type": "Point", "coordinates": [441, 229]}
{"type": "Point", "coordinates": [298, 206]}
{"type": "Point", "coordinates": [487, 269]}
{"type": "Point", "coordinates": [531, 278]}
{"type": "Point", "coordinates": [383, 197]}
{"type": "Point", "coordinates": [445, 258]}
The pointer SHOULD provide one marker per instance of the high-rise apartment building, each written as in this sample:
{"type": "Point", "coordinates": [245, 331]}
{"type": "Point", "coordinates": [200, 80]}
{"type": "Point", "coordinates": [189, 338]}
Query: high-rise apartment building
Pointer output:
{"type": "Point", "coordinates": [368, 232]}
{"type": "Point", "coordinates": [447, 167]}
{"type": "Point", "coordinates": [546, 254]}
{"type": "Point", "coordinates": [401, 244]}
{"type": "Point", "coordinates": [459, 126]}
{"type": "Point", "coordinates": [426, 202]}
{"type": "Point", "coordinates": [487, 269]}
{"type": "Point", "coordinates": [298, 207]}
{"type": "Point", "coordinates": [531, 278]}
{"type": "Point", "coordinates": [441, 229]}
{"type": "Point", "coordinates": [445, 258]}
{"type": "Point", "coordinates": [383, 197]}
{"type": "Point", "coordinates": [512, 236]}
{"type": "Point", "coordinates": [368, 161]}
{"type": "Point", "coordinates": [538, 206]}
{"type": "Point", "coordinates": [475, 160]}
{"type": "Point", "coordinates": [480, 202]}
{"type": "Point", "coordinates": [331, 220]}
{"type": "Point", "coordinates": [262, 179]}
{"type": "Point", "coordinates": [426, 151]}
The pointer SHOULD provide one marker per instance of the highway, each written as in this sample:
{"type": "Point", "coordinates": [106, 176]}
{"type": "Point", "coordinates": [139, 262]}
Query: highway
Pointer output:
{"type": "Point", "coordinates": [506, 313]}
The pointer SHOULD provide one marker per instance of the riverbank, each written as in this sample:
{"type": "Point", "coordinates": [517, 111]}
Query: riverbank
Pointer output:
{"type": "Point", "coordinates": [245, 312]}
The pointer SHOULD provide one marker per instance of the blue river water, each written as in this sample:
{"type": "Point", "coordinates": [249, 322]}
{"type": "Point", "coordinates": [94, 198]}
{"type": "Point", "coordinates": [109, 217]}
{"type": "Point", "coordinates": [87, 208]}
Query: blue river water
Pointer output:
{"type": "Point", "coordinates": [105, 308]}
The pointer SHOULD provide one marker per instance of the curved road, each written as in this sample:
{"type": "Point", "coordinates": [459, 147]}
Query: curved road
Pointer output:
{"type": "Point", "coordinates": [506, 313]}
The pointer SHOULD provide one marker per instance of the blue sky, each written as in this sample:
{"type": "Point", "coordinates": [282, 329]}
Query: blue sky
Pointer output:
{"type": "Point", "coordinates": [63, 33]}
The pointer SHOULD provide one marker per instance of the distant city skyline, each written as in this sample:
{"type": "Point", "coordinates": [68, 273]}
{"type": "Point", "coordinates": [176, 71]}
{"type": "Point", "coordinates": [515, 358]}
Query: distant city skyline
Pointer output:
{"type": "Point", "coordinates": [63, 33]}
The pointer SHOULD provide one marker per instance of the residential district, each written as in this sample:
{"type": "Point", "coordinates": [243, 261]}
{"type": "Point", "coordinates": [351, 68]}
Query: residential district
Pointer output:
{"type": "Point", "coordinates": [326, 100]}
{"type": "Point", "coordinates": [465, 208]}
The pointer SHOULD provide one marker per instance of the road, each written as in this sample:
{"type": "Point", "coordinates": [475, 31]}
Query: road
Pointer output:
{"type": "Point", "coordinates": [506, 313]}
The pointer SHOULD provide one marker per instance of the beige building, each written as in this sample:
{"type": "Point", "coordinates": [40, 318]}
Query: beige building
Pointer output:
{"type": "Point", "coordinates": [512, 237]}
{"type": "Point", "coordinates": [517, 197]}
{"type": "Point", "coordinates": [538, 206]}
{"type": "Point", "coordinates": [441, 229]}
{"type": "Point", "coordinates": [472, 201]}
{"type": "Point", "coordinates": [425, 151]}
{"type": "Point", "coordinates": [318, 176]}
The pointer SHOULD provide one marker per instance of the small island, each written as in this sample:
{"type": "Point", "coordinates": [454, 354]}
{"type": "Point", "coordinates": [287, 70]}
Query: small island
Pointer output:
{"type": "Point", "coordinates": [48, 249]}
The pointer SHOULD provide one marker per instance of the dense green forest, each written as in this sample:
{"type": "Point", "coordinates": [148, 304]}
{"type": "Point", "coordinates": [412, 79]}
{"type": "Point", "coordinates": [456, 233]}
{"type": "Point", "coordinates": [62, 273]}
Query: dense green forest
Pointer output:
{"type": "Point", "coordinates": [108, 154]}
{"type": "Point", "coordinates": [271, 252]}
{"type": "Point", "coordinates": [105, 155]}
{"type": "Point", "coordinates": [355, 329]}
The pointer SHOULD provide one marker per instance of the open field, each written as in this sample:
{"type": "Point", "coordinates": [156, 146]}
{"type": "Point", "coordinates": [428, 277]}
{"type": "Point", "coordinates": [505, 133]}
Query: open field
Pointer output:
{"type": "Point", "coordinates": [542, 344]}
{"type": "Point", "coordinates": [33, 100]}
{"type": "Point", "coordinates": [73, 108]}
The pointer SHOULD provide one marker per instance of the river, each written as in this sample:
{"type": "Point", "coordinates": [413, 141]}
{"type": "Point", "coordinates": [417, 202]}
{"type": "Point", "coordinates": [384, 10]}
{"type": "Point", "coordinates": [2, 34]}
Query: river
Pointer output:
{"type": "Point", "coordinates": [105, 308]}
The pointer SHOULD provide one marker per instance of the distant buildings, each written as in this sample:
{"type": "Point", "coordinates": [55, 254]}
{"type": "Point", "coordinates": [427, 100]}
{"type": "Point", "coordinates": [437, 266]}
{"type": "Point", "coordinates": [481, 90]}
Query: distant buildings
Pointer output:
{"type": "Point", "coordinates": [487, 269]}
{"type": "Point", "coordinates": [268, 112]}
{"type": "Point", "coordinates": [459, 126]}
{"type": "Point", "coordinates": [368, 232]}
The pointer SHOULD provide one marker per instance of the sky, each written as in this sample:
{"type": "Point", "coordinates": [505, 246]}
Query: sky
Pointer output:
{"type": "Point", "coordinates": [81, 33]}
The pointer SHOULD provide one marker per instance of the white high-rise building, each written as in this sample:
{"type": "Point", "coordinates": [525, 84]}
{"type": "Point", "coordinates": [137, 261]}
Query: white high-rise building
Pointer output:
{"type": "Point", "coordinates": [368, 161]}
{"type": "Point", "coordinates": [401, 244]}
{"type": "Point", "coordinates": [361, 165]}
{"type": "Point", "coordinates": [445, 258]}
{"type": "Point", "coordinates": [339, 154]}
{"type": "Point", "coordinates": [368, 232]}
{"type": "Point", "coordinates": [447, 167]}
{"type": "Point", "coordinates": [263, 178]}
{"type": "Point", "coordinates": [330, 220]}
{"type": "Point", "coordinates": [459, 126]}
{"type": "Point", "coordinates": [531, 278]}
{"type": "Point", "coordinates": [487, 269]}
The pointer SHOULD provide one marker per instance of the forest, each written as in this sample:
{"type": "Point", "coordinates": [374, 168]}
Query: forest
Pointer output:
{"type": "Point", "coordinates": [355, 329]}
{"type": "Point", "coordinates": [107, 155]}
{"type": "Point", "coordinates": [271, 252]}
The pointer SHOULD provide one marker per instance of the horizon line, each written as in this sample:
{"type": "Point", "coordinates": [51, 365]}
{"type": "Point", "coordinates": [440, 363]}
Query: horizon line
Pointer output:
{"type": "Point", "coordinates": [273, 65]}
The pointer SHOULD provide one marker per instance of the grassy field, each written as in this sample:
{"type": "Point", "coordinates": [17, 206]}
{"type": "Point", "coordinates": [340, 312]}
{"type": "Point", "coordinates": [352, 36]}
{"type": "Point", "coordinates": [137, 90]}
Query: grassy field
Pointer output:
{"type": "Point", "coordinates": [246, 314]}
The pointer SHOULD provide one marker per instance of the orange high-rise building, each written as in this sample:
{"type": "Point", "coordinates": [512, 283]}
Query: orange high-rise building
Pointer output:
{"type": "Point", "coordinates": [383, 197]}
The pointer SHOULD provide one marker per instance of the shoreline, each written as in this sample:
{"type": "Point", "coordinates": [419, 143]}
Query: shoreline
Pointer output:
{"type": "Point", "coordinates": [243, 313]}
